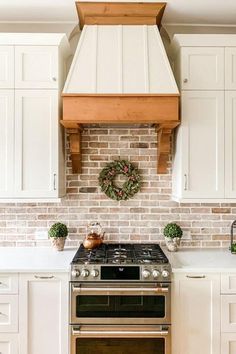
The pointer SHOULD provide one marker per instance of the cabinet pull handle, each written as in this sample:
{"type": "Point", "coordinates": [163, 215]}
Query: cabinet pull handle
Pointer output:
{"type": "Point", "coordinates": [185, 81]}
{"type": "Point", "coordinates": [54, 181]}
{"type": "Point", "coordinates": [2, 314]}
{"type": "Point", "coordinates": [44, 276]}
{"type": "Point", "coordinates": [185, 182]}
{"type": "Point", "coordinates": [195, 276]}
{"type": "Point", "coordinates": [54, 78]}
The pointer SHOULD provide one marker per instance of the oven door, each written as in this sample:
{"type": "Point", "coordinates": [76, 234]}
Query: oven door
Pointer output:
{"type": "Point", "coordinates": [117, 339]}
{"type": "Point", "coordinates": [121, 303]}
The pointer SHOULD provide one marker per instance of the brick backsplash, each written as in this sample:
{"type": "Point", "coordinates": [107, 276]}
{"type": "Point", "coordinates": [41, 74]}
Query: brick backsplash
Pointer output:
{"type": "Point", "coordinates": [140, 219]}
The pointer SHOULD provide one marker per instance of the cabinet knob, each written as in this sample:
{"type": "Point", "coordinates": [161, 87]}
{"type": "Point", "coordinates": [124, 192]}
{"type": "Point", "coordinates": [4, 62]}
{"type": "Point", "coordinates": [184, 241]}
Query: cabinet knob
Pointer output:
{"type": "Point", "coordinates": [185, 81]}
{"type": "Point", "coordinates": [54, 78]}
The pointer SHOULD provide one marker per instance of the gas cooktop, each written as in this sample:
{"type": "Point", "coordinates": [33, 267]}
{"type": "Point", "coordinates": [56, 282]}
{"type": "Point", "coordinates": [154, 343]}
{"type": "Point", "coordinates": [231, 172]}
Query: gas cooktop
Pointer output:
{"type": "Point", "coordinates": [121, 254]}
{"type": "Point", "coordinates": [144, 261]}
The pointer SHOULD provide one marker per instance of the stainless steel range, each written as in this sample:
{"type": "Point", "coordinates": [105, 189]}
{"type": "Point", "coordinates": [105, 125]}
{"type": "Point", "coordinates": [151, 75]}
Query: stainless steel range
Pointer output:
{"type": "Point", "coordinates": [120, 300]}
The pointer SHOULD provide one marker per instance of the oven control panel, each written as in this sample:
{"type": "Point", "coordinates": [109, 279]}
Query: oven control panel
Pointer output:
{"type": "Point", "coordinates": [120, 273]}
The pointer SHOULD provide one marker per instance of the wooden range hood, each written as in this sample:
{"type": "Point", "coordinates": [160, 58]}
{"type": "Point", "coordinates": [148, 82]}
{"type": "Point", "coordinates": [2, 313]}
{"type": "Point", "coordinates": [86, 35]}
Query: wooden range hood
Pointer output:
{"type": "Point", "coordinates": [120, 74]}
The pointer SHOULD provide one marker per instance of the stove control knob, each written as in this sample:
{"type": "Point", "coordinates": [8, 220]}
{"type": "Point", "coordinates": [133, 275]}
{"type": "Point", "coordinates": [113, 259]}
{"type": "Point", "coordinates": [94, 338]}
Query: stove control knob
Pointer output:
{"type": "Point", "coordinates": [75, 273]}
{"type": "Point", "coordinates": [85, 273]}
{"type": "Point", "coordinates": [165, 273]}
{"type": "Point", "coordinates": [94, 273]}
{"type": "Point", "coordinates": [155, 273]}
{"type": "Point", "coordinates": [146, 274]}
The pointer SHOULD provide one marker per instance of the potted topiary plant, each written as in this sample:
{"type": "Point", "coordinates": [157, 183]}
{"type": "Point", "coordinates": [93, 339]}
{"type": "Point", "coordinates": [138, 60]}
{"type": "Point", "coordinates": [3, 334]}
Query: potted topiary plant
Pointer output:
{"type": "Point", "coordinates": [173, 234]}
{"type": "Point", "coordinates": [58, 233]}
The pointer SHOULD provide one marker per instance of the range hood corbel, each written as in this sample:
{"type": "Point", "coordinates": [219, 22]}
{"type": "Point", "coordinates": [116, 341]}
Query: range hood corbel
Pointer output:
{"type": "Point", "coordinates": [101, 91]}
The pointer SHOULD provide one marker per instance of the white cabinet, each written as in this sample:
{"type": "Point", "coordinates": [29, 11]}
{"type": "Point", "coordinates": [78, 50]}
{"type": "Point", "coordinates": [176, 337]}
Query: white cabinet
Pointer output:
{"type": "Point", "coordinates": [230, 144]}
{"type": "Point", "coordinates": [228, 313]}
{"type": "Point", "coordinates": [8, 283]}
{"type": "Point", "coordinates": [32, 156]}
{"type": "Point", "coordinates": [36, 67]}
{"type": "Point", "coordinates": [36, 143]}
{"type": "Point", "coordinates": [204, 168]}
{"type": "Point", "coordinates": [198, 172]}
{"type": "Point", "coordinates": [228, 343]}
{"type": "Point", "coordinates": [196, 314]}
{"type": "Point", "coordinates": [8, 313]}
{"type": "Point", "coordinates": [202, 68]}
{"type": "Point", "coordinates": [8, 343]}
{"type": "Point", "coordinates": [43, 310]}
{"type": "Point", "coordinates": [230, 68]}
{"type": "Point", "coordinates": [6, 67]}
{"type": "Point", "coordinates": [6, 142]}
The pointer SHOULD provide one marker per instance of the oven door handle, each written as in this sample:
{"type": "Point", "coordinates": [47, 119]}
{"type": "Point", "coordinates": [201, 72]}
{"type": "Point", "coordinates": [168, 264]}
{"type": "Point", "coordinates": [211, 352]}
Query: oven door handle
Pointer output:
{"type": "Point", "coordinates": [119, 333]}
{"type": "Point", "coordinates": [119, 291]}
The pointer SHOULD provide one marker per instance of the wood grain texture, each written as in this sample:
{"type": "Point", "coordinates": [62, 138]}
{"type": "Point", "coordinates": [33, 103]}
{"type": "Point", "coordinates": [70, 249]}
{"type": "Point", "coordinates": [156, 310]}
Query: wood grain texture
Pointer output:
{"type": "Point", "coordinates": [125, 13]}
{"type": "Point", "coordinates": [164, 132]}
{"type": "Point", "coordinates": [120, 109]}
{"type": "Point", "coordinates": [75, 149]}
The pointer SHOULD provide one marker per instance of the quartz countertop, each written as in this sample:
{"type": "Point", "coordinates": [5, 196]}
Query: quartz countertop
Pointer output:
{"type": "Point", "coordinates": [30, 259]}
{"type": "Point", "coordinates": [46, 259]}
{"type": "Point", "coordinates": [202, 260]}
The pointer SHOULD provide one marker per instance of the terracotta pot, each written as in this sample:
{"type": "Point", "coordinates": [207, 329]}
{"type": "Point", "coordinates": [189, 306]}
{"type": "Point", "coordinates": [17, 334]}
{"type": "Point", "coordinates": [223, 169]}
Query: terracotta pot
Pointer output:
{"type": "Point", "coordinates": [58, 243]}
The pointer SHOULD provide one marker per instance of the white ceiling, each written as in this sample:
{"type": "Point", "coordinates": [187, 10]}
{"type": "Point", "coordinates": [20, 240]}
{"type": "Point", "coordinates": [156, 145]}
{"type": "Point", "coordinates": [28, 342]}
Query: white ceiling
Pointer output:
{"type": "Point", "coordinates": [177, 11]}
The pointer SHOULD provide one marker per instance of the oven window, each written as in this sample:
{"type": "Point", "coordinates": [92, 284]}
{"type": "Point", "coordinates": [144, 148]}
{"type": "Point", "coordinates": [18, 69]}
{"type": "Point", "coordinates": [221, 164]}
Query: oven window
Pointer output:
{"type": "Point", "coordinates": [120, 306]}
{"type": "Point", "coordinates": [120, 346]}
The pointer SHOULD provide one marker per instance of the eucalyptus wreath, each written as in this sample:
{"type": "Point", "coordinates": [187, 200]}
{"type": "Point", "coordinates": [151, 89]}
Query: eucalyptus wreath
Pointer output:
{"type": "Point", "coordinates": [107, 180]}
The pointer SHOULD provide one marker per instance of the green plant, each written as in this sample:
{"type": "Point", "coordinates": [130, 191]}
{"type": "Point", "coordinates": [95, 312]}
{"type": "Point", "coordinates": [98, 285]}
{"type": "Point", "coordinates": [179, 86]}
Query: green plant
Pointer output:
{"type": "Point", "coordinates": [173, 230]}
{"type": "Point", "coordinates": [233, 247]}
{"type": "Point", "coordinates": [58, 230]}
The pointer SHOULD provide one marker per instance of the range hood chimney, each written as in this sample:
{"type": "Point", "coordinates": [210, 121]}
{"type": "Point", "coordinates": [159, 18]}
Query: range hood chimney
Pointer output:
{"type": "Point", "coordinates": [120, 74]}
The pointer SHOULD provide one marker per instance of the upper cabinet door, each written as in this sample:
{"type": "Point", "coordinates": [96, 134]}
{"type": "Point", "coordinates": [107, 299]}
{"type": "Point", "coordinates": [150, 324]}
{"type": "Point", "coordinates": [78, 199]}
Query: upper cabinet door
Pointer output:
{"type": "Point", "coordinates": [230, 144]}
{"type": "Point", "coordinates": [230, 68]}
{"type": "Point", "coordinates": [202, 68]}
{"type": "Point", "coordinates": [36, 143]}
{"type": "Point", "coordinates": [6, 142]}
{"type": "Point", "coordinates": [6, 67]}
{"type": "Point", "coordinates": [203, 144]}
{"type": "Point", "coordinates": [36, 67]}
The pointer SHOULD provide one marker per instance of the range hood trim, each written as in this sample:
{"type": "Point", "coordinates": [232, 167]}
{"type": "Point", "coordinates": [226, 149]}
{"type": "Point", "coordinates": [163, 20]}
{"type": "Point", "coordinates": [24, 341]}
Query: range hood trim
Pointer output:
{"type": "Point", "coordinates": [120, 13]}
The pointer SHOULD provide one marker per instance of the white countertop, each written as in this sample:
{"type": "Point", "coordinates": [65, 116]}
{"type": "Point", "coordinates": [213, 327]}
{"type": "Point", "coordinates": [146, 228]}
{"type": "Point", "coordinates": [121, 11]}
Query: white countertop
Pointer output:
{"type": "Point", "coordinates": [202, 260]}
{"type": "Point", "coordinates": [30, 259]}
{"type": "Point", "coordinates": [46, 259]}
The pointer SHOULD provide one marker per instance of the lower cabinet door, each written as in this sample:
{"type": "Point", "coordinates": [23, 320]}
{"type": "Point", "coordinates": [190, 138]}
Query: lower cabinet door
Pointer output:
{"type": "Point", "coordinates": [196, 314]}
{"type": "Point", "coordinates": [228, 313]}
{"type": "Point", "coordinates": [8, 343]}
{"type": "Point", "coordinates": [43, 313]}
{"type": "Point", "coordinates": [8, 313]}
{"type": "Point", "coordinates": [228, 343]}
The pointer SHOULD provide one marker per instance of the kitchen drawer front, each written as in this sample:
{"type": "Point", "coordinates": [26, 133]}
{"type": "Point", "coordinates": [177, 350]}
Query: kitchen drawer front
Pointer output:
{"type": "Point", "coordinates": [8, 343]}
{"type": "Point", "coordinates": [8, 313]}
{"type": "Point", "coordinates": [228, 313]}
{"type": "Point", "coordinates": [228, 343]}
{"type": "Point", "coordinates": [228, 283]}
{"type": "Point", "coordinates": [8, 284]}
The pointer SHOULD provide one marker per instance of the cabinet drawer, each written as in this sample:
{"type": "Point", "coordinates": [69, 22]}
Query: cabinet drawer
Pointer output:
{"type": "Point", "coordinates": [228, 343]}
{"type": "Point", "coordinates": [8, 313]}
{"type": "Point", "coordinates": [8, 284]}
{"type": "Point", "coordinates": [8, 343]}
{"type": "Point", "coordinates": [228, 313]}
{"type": "Point", "coordinates": [228, 284]}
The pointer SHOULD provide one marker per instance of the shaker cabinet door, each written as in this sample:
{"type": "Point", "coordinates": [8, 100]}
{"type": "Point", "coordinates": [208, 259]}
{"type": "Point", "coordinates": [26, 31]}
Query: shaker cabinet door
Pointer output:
{"type": "Point", "coordinates": [36, 143]}
{"type": "Point", "coordinates": [196, 314]}
{"type": "Point", "coordinates": [6, 143]}
{"type": "Point", "coordinates": [203, 144]}
{"type": "Point", "coordinates": [202, 68]}
{"type": "Point", "coordinates": [43, 310]}
{"type": "Point", "coordinates": [230, 144]}
{"type": "Point", "coordinates": [6, 67]}
{"type": "Point", "coordinates": [230, 68]}
{"type": "Point", "coordinates": [36, 67]}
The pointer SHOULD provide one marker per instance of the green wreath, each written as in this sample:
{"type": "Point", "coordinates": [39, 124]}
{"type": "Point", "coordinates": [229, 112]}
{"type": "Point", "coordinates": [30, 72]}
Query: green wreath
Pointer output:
{"type": "Point", "coordinates": [130, 187]}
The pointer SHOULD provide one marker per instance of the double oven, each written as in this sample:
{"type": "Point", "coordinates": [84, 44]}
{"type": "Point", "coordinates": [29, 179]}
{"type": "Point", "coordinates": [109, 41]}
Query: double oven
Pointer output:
{"type": "Point", "coordinates": [120, 317]}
